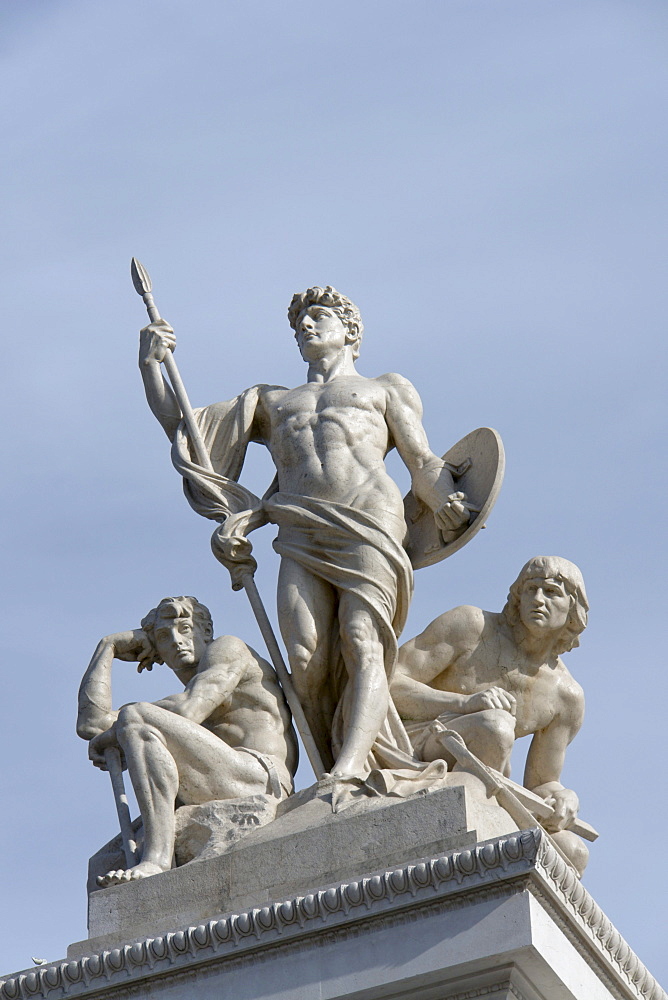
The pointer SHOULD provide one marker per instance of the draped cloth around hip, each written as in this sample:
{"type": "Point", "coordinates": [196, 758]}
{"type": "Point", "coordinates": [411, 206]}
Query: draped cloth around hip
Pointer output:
{"type": "Point", "coordinates": [352, 551]}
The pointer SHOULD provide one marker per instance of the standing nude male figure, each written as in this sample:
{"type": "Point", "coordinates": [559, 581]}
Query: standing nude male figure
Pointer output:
{"type": "Point", "coordinates": [494, 678]}
{"type": "Point", "coordinates": [345, 580]}
{"type": "Point", "coordinates": [227, 735]}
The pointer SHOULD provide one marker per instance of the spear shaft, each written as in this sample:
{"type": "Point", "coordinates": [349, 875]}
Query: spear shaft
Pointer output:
{"type": "Point", "coordinates": [142, 284]}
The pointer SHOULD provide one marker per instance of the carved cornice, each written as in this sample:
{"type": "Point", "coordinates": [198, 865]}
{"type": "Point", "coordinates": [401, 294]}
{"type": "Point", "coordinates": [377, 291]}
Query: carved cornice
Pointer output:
{"type": "Point", "coordinates": [561, 882]}
{"type": "Point", "coordinates": [376, 897]}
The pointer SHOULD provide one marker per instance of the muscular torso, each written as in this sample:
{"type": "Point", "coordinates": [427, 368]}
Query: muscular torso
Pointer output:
{"type": "Point", "coordinates": [329, 440]}
{"type": "Point", "coordinates": [543, 691]}
{"type": "Point", "coordinates": [255, 714]}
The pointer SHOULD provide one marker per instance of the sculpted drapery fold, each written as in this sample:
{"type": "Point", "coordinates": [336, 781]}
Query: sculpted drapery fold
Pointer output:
{"type": "Point", "coordinates": [226, 432]}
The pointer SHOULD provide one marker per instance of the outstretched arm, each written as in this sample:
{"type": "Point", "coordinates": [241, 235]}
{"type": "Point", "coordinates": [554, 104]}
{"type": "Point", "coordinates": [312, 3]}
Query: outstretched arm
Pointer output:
{"type": "Point", "coordinates": [546, 756]}
{"type": "Point", "coordinates": [431, 480]}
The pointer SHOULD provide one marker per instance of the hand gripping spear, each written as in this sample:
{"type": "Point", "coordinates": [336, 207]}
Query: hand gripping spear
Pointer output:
{"type": "Point", "coordinates": [143, 286]}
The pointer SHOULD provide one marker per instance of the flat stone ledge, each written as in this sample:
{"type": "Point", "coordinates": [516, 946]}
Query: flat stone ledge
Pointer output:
{"type": "Point", "coordinates": [502, 866]}
{"type": "Point", "coordinates": [307, 847]}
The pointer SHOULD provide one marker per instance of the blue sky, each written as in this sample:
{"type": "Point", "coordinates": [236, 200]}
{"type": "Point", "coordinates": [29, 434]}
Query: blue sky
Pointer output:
{"type": "Point", "coordinates": [486, 181]}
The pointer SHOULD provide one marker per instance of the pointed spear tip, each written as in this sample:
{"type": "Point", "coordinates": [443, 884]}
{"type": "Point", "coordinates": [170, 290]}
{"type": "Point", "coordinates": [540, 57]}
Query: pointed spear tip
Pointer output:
{"type": "Point", "coordinates": [140, 277]}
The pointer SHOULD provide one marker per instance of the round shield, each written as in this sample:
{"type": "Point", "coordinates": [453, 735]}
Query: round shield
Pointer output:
{"type": "Point", "coordinates": [476, 464]}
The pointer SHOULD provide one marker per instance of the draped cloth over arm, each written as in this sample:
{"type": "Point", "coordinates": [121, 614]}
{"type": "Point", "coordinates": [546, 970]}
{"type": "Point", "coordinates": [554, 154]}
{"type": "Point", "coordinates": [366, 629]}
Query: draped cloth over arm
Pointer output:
{"type": "Point", "coordinates": [226, 430]}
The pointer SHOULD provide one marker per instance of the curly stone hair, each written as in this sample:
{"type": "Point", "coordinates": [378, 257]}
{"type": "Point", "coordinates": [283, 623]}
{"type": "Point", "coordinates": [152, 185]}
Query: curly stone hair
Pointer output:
{"type": "Point", "coordinates": [566, 572]}
{"type": "Point", "coordinates": [175, 607]}
{"type": "Point", "coordinates": [346, 310]}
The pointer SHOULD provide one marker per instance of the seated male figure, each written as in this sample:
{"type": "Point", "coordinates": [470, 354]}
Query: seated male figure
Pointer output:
{"type": "Point", "coordinates": [494, 678]}
{"type": "Point", "coordinates": [228, 734]}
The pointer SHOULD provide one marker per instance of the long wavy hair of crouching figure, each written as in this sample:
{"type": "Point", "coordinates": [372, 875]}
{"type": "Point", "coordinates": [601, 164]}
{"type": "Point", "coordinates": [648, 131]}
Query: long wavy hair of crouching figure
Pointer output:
{"type": "Point", "coordinates": [346, 310]}
{"type": "Point", "coordinates": [567, 573]}
{"type": "Point", "coordinates": [170, 608]}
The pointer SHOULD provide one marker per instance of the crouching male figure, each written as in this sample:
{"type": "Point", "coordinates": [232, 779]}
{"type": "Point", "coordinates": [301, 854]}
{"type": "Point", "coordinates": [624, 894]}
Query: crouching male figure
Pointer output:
{"type": "Point", "coordinates": [228, 734]}
{"type": "Point", "coordinates": [494, 678]}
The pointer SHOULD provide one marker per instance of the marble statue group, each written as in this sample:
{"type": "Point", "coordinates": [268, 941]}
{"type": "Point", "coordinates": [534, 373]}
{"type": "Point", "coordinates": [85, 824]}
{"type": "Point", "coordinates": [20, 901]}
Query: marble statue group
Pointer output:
{"type": "Point", "coordinates": [380, 715]}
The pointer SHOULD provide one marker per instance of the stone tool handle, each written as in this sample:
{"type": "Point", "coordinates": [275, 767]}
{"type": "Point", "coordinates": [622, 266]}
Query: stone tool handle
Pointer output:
{"type": "Point", "coordinates": [504, 796]}
{"type": "Point", "coordinates": [112, 759]}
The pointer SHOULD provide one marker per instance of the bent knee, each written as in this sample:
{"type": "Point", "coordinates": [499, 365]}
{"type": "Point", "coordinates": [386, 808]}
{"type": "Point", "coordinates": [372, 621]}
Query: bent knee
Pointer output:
{"type": "Point", "coordinates": [308, 667]}
{"type": "Point", "coordinates": [574, 848]}
{"type": "Point", "coordinates": [141, 713]}
{"type": "Point", "coordinates": [360, 640]}
{"type": "Point", "coordinates": [302, 655]}
{"type": "Point", "coordinates": [500, 725]}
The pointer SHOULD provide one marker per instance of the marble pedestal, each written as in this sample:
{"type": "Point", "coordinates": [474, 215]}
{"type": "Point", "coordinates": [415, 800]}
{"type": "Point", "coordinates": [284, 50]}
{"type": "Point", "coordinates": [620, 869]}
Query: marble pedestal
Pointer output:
{"type": "Point", "coordinates": [305, 847]}
{"type": "Point", "coordinates": [500, 916]}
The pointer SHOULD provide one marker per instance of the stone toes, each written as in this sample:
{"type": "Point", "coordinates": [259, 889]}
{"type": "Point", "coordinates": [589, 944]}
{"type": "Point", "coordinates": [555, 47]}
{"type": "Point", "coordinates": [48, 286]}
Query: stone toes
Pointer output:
{"type": "Point", "coordinates": [121, 876]}
{"type": "Point", "coordinates": [106, 880]}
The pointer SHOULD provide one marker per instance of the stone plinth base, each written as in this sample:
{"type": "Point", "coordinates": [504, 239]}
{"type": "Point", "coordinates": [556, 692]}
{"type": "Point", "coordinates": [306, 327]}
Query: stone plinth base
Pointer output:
{"type": "Point", "coordinates": [436, 897]}
{"type": "Point", "coordinates": [307, 846]}
{"type": "Point", "coordinates": [506, 919]}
